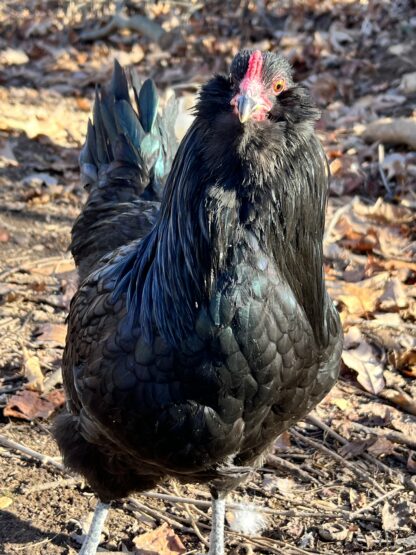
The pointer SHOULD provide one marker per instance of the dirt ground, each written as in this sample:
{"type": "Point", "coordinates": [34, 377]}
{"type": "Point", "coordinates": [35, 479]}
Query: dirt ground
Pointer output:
{"type": "Point", "coordinates": [344, 480]}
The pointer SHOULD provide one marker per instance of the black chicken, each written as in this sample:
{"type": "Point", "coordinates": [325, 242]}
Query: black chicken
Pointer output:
{"type": "Point", "coordinates": [202, 328]}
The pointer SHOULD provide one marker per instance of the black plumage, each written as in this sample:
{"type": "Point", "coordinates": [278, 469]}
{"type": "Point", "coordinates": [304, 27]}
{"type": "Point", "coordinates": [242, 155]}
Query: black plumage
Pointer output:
{"type": "Point", "coordinates": [201, 329]}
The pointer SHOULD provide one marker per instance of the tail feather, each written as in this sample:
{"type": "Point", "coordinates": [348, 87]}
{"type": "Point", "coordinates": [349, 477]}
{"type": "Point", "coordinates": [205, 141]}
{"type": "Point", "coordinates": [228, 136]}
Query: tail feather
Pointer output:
{"type": "Point", "coordinates": [147, 102]}
{"type": "Point", "coordinates": [126, 157]}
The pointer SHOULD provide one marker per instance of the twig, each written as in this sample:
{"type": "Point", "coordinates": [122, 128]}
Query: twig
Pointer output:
{"type": "Point", "coordinates": [397, 437]}
{"type": "Point", "coordinates": [62, 483]}
{"type": "Point", "coordinates": [362, 474]}
{"type": "Point", "coordinates": [277, 462]}
{"type": "Point", "coordinates": [377, 501]}
{"type": "Point", "coordinates": [192, 520]}
{"type": "Point", "coordinates": [380, 151]}
{"type": "Point", "coordinates": [327, 429]}
{"type": "Point", "coordinates": [8, 321]}
{"type": "Point", "coordinates": [44, 459]}
{"type": "Point", "coordinates": [255, 540]}
{"type": "Point", "coordinates": [30, 266]}
{"type": "Point", "coordinates": [377, 324]}
{"type": "Point", "coordinates": [155, 514]}
{"type": "Point", "coordinates": [335, 219]}
{"type": "Point", "coordinates": [336, 513]}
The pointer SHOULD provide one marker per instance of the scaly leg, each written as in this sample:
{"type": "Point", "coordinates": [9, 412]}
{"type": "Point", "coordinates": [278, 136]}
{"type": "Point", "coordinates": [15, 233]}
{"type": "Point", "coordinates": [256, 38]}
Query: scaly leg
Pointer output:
{"type": "Point", "coordinates": [216, 542]}
{"type": "Point", "coordinates": [92, 540]}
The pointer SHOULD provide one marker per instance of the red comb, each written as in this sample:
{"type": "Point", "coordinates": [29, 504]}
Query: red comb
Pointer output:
{"type": "Point", "coordinates": [255, 64]}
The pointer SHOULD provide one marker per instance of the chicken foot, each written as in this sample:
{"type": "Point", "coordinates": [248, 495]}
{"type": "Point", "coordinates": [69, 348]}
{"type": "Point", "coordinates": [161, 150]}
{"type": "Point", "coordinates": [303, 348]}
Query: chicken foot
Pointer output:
{"type": "Point", "coordinates": [92, 539]}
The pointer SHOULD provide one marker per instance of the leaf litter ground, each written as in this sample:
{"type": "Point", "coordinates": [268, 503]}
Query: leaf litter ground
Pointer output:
{"type": "Point", "coordinates": [342, 481]}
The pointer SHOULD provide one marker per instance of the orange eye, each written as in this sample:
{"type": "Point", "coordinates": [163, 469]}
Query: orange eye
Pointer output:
{"type": "Point", "coordinates": [278, 86]}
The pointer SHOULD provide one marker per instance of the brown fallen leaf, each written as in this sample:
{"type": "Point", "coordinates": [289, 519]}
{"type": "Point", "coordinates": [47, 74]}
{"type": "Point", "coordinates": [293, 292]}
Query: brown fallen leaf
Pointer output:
{"type": "Point", "coordinates": [405, 362]}
{"type": "Point", "coordinates": [333, 532]}
{"type": "Point", "coordinates": [395, 517]}
{"type": "Point", "coordinates": [355, 448]}
{"type": "Point", "coordinates": [382, 446]}
{"type": "Point", "coordinates": [359, 242]}
{"type": "Point", "coordinates": [51, 333]}
{"type": "Point", "coordinates": [28, 405]}
{"type": "Point", "coordinates": [285, 486]}
{"type": "Point", "coordinates": [359, 299]}
{"type": "Point", "coordinates": [363, 360]}
{"type": "Point", "coordinates": [161, 541]}
{"type": "Point", "coordinates": [283, 442]}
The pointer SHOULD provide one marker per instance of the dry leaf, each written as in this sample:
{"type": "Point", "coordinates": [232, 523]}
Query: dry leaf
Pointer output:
{"type": "Point", "coordinates": [283, 442]}
{"type": "Point", "coordinates": [284, 486]}
{"type": "Point", "coordinates": [28, 405]}
{"type": "Point", "coordinates": [161, 541]}
{"type": "Point", "coordinates": [395, 517]}
{"type": "Point", "coordinates": [51, 333]}
{"type": "Point", "coordinates": [355, 448]}
{"type": "Point", "coordinates": [361, 298]}
{"type": "Point", "coordinates": [382, 446]}
{"type": "Point", "coordinates": [333, 532]}
{"type": "Point", "coordinates": [405, 361]}
{"type": "Point", "coordinates": [362, 359]}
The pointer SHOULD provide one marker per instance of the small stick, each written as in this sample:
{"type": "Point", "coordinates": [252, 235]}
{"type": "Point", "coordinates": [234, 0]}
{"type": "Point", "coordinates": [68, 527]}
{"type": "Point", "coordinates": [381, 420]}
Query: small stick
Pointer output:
{"type": "Point", "coordinates": [256, 540]}
{"type": "Point", "coordinates": [319, 424]}
{"type": "Point", "coordinates": [156, 514]}
{"type": "Point", "coordinates": [44, 459]}
{"type": "Point", "coordinates": [397, 437]}
{"type": "Point", "coordinates": [380, 151]}
{"type": "Point", "coordinates": [378, 500]}
{"type": "Point", "coordinates": [335, 219]}
{"type": "Point", "coordinates": [192, 520]}
{"type": "Point", "coordinates": [362, 474]}
{"type": "Point", "coordinates": [62, 483]}
{"type": "Point", "coordinates": [336, 513]}
{"type": "Point", "coordinates": [277, 462]}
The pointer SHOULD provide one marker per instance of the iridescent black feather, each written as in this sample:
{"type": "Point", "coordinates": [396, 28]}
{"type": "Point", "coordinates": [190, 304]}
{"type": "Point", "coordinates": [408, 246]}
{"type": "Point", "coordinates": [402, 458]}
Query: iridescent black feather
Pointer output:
{"type": "Point", "coordinates": [202, 328]}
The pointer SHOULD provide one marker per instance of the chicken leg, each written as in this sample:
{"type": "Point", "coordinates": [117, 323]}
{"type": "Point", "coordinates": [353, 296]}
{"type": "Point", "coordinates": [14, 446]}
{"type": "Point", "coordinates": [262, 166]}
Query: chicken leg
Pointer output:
{"type": "Point", "coordinates": [92, 539]}
{"type": "Point", "coordinates": [216, 542]}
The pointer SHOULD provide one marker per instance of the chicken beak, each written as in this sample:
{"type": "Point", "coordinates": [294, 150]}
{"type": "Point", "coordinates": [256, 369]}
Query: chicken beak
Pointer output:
{"type": "Point", "coordinates": [245, 106]}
